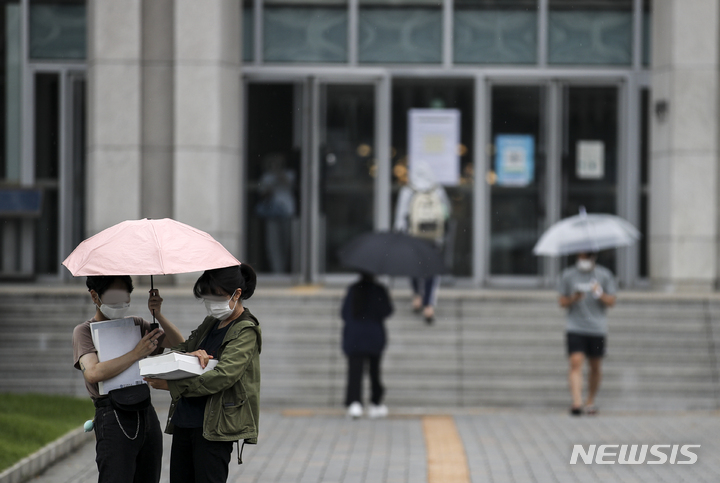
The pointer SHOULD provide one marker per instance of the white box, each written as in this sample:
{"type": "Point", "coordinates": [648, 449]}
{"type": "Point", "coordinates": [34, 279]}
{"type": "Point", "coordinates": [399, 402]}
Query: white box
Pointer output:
{"type": "Point", "coordinates": [173, 365]}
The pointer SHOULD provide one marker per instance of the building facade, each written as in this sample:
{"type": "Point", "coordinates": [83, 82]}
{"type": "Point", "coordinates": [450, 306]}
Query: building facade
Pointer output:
{"type": "Point", "coordinates": [281, 127]}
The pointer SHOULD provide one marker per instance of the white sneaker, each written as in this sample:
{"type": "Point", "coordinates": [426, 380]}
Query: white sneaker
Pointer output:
{"type": "Point", "coordinates": [380, 411]}
{"type": "Point", "coordinates": [355, 410]}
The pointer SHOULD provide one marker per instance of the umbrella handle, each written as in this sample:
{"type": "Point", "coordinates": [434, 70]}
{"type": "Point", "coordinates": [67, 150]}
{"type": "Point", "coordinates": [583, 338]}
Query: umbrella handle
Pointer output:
{"type": "Point", "coordinates": [154, 324]}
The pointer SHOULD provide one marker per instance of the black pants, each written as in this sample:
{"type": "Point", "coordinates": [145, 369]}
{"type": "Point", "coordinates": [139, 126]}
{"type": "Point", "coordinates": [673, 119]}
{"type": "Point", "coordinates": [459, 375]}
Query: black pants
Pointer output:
{"type": "Point", "coordinates": [121, 459]}
{"type": "Point", "coordinates": [356, 366]}
{"type": "Point", "coordinates": [194, 459]}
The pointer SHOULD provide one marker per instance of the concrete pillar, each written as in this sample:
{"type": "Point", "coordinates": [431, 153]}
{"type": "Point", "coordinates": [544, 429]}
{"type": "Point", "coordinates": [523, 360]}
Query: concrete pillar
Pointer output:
{"type": "Point", "coordinates": [207, 117]}
{"type": "Point", "coordinates": [114, 114]}
{"type": "Point", "coordinates": [684, 148]}
{"type": "Point", "coordinates": [157, 108]}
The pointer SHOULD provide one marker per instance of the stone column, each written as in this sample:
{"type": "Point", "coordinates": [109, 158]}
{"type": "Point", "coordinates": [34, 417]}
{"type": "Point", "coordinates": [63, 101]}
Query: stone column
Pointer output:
{"type": "Point", "coordinates": [207, 117]}
{"type": "Point", "coordinates": [684, 148]}
{"type": "Point", "coordinates": [157, 108]}
{"type": "Point", "coordinates": [114, 114]}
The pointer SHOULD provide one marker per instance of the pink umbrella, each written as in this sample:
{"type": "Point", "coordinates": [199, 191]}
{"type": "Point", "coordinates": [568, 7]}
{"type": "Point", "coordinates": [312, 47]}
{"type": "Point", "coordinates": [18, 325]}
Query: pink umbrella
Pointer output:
{"type": "Point", "coordinates": [148, 247]}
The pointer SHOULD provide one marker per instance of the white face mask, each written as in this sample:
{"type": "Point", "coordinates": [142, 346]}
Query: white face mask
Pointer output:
{"type": "Point", "coordinates": [114, 311]}
{"type": "Point", "coordinates": [584, 264]}
{"type": "Point", "coordinates": [219, 309]}
{"type": "Point", "coordinates": [117, 306]}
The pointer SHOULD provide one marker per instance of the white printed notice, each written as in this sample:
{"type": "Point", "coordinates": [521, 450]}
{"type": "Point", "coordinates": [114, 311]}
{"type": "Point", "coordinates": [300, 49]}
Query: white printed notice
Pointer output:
{"type": "Point", "coordinates": [112, 339]}
{"type": "Point", "coordinates": [434, 138]}
{"type": "Point", "coordinates": [590, 160]}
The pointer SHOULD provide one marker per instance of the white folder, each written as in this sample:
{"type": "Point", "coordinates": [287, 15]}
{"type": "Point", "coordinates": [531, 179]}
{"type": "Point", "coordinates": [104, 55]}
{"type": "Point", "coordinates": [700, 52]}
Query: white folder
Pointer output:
{"type": "Point", "coordinates": [112, 339]}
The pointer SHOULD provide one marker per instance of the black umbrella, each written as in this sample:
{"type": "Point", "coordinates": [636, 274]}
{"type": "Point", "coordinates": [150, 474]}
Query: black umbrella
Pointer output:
{"type": "Point", "coordinates": [396, 254]}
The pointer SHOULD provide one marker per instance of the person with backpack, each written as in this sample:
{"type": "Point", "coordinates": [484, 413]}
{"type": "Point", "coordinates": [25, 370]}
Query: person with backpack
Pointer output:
{"type": "Point", "coordinates": [422, 210]}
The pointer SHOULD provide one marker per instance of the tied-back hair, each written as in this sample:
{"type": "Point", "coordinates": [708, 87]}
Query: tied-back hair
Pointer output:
{"type": "Point", "coordinates": [227, 280]}
{"type": "Point", "coordinates": [100, 283]}
{"type": "Point", "coordinates": [362, 292]}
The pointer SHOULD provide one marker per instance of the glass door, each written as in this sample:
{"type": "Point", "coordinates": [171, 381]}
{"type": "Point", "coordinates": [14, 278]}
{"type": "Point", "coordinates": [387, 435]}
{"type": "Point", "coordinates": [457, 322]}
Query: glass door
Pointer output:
{"type": "Point", "coordinates": [589, 174]}
{"type": "Point", "coordinates": [554, 147]}
{"type": "Point", "coordinates": [451, 94]}
{"type": "Point", "coordinates": [276, 120]}
{"type": "Point", "coordinates": [347, 164]}
{"type": "Point", "coordinates": [59, 165]}
{"type": "Point", "coordinates": [312, 173]}
{"type": "Point", "coordinates": [517, 178]}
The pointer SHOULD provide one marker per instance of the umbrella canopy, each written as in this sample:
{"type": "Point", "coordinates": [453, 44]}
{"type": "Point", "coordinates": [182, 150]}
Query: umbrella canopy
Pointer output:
{"type": "Point", "coordinates": [586, 233]}
{"type": "Point", "coordinates": [396, 254]}
{"type": "Point", "coordinates": [148, 247]}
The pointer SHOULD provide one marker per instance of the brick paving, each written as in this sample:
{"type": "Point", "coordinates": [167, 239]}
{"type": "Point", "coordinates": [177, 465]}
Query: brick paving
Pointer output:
{"type": "Point", "coordinates": [500, 446]}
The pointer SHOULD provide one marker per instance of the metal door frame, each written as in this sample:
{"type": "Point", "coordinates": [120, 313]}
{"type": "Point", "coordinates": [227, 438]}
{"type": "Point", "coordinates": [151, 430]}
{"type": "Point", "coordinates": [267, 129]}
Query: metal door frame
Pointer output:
{"type": "Point", "coordinates": [628, 168]}
{"type": "Point", "coordinates": [68, 73]}
{"type": "Point", "coordinates": [310, 231]}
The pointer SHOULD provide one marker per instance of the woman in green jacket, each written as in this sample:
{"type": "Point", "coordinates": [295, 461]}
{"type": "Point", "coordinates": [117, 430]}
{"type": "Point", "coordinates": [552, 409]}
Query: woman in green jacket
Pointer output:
{"type": "Point", "coordinates": [211, 411]}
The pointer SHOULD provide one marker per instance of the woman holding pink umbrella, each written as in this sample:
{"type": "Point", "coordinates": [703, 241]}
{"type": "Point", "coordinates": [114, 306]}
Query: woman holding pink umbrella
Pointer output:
{"type": "Point", "coordinates": [127, 430]}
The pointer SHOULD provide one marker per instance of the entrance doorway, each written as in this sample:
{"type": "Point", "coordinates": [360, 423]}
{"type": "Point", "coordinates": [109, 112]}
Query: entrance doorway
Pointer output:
{"type": "Point", "coordinates": [35, 246]}
{"type": "Point", "coordinates": [555, 148]}
{"type": "Point", "coordinates": [312, 167]}
{"type": "Point", "coordinates": [59, 153]}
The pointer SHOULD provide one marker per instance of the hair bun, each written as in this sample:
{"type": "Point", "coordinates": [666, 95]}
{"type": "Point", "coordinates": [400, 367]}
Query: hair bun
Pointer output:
{"type": "Point", "coordinates": [250, 278]}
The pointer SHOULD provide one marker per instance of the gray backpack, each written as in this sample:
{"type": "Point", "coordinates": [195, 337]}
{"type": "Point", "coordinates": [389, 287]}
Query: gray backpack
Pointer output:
{"type": "Point", "coordinates": [427, 215]}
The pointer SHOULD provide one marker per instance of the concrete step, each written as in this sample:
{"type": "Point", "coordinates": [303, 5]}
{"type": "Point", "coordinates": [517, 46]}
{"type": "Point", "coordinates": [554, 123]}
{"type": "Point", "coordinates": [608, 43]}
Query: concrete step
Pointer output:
{"type": "Point", "coordinates": [482, 350]}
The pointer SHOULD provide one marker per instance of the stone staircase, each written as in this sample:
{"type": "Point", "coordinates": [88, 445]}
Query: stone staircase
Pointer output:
{"type": "Point", "coordinates": [487, 348]}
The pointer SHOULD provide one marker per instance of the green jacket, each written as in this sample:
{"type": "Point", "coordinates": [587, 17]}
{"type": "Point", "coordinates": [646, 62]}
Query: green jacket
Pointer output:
{"type": "Point", "coordinates": [232, 411]}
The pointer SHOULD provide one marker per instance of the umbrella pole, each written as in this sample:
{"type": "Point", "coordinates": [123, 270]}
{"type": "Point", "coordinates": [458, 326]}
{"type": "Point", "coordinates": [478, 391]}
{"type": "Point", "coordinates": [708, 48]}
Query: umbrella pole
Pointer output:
{"type": "Point", "coordinates": [152, 287]}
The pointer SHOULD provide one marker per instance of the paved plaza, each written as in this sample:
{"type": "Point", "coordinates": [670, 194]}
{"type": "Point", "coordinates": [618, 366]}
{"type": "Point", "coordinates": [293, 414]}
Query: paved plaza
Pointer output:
{"type": "Point", "coordinates": [483, 445]}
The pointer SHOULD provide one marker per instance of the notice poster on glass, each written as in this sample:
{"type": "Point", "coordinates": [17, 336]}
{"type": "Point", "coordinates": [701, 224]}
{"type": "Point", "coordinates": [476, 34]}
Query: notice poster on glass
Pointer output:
{"type": "Point", "coordinates": [433, 138]}
{"type": "Point", "coordinates": [514, 159]}
{"type": "Point", "coordinates": [590, 157]}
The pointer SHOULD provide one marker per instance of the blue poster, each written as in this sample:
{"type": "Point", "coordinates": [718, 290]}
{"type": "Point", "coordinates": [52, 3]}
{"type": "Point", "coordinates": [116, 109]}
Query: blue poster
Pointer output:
{"type": "Point", "coordinates": [514, 159]}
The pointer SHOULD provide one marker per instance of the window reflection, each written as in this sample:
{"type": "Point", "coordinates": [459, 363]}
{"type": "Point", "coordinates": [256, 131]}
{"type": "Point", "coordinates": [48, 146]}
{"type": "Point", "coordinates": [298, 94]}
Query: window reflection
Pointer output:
{"type": "Point", "coordinates": [58, 29]}
{"type": "Point", "coordinates": [495, 32]}
{"type": "Point", "coordinates": [590, 32]}
{"type": "Point", "coordinates": [305, 31]}
{"type": "Point", "coordinates": [400, 31]}
{"type": "Point", "coordinates": [248, 30]}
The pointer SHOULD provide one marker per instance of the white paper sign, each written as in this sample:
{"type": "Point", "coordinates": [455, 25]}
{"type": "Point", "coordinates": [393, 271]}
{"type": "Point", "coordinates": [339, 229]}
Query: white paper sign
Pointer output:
{"type": "Point", "coordinates": [112, 339]}
{"type": "Point", "coordinates": [434, 137]}
{"type": "Point", "coordinates": [590, 160]}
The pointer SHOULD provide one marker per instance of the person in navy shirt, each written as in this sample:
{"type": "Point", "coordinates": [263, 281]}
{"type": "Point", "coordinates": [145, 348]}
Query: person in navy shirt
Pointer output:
{"type": "Point", "coordinates": [365, 308]}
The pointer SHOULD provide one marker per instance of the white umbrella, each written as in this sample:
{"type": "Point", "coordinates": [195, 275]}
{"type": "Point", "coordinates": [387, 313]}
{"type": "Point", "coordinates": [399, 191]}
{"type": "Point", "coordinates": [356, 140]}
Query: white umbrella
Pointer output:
{"type": "Point", "coordinates": [586, 233]}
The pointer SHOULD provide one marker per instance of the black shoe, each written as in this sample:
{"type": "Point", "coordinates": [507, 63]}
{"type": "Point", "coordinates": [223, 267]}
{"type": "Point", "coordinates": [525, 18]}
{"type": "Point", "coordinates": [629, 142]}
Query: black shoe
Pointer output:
{"type": "Point", "coordinates": [429, 320]}
{"type": "Point", "coordinates": [576, 411]}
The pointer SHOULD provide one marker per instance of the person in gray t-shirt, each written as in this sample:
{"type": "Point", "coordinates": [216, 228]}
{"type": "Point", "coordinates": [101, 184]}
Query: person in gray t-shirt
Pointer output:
{"type": "Point", "coordinates": [586, 290]}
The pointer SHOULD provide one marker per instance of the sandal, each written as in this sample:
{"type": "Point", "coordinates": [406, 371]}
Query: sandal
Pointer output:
{"type": "Point", "coordinates": [429, 315]}
{"type": "Point", "coordinates": [590, 410]}
{"type": "Point", "coordinates": [417, 305]}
